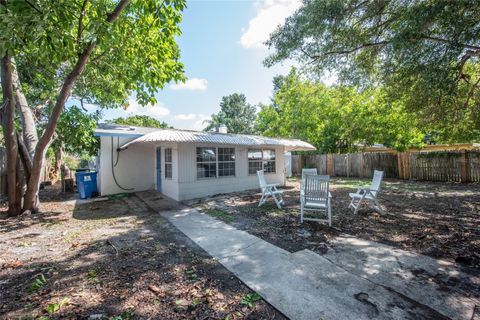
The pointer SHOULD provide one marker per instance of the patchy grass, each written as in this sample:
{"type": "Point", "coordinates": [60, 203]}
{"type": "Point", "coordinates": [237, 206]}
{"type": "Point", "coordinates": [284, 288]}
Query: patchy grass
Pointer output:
{"type": "Point", "coordinates": [220, 214]}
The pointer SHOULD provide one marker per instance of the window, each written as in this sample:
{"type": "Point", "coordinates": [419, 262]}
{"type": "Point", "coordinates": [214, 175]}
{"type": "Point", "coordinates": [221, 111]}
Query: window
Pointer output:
{"type": "Point", "coordinates": [215, 162]}
{"type": "Point", "coordinates": [168, 163]}
{"type": "Point", "coordinates": [261, 160]}
{"type": "Point", "coordinates": [226, 162]}
{"type": "Point", "coordinates": [206, 162]}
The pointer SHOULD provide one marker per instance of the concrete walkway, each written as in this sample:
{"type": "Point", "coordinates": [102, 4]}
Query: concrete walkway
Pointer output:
{"type": "Point", "coordinates": [356, 279]}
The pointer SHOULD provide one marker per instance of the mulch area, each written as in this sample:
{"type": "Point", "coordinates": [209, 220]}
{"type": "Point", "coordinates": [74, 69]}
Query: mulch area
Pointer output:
{"type": "Point", "coordinates": [113, 259]}
{"type": "Point", "coordinates": [441, 220]}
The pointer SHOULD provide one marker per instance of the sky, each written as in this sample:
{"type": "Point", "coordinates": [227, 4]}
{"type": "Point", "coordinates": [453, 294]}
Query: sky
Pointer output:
{"type": "Point", "coordinates": [222, 50]}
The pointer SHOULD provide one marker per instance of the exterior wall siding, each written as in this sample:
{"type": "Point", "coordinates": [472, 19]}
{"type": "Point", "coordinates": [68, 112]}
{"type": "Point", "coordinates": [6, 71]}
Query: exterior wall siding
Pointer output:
{"type": "Point", "coordinates": [136, 169]}
{"type": "Point", "coordinates": [190, 187]}
{"type": "Point", "coordinates": [133, 170]}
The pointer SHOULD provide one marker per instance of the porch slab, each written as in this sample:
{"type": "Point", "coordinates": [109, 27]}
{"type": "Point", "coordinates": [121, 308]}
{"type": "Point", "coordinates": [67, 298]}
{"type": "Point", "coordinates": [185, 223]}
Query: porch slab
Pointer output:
{"type": "Point", "coordinates": [355, 280]}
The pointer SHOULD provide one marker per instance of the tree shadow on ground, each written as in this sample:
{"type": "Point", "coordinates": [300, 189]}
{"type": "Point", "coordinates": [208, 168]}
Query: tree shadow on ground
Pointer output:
{"type": "Point", "coordinates": [113, 258]}
{"type": "Point", "coordinates": [439, 224]}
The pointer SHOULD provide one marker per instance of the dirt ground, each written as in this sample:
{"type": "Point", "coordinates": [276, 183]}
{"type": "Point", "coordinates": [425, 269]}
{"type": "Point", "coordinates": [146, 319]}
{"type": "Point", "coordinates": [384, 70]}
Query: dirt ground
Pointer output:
{"type": "Point", "coordinates": [113, 259]}
{"type": "Point", "coordinates": [441, 220]}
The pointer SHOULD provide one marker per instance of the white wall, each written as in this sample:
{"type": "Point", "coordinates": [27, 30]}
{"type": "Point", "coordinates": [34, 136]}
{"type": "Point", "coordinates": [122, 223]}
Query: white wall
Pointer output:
{"type": "Point", "coordinates": [189, 187]}
{"type": "Point", "coordinates": [135, 168]}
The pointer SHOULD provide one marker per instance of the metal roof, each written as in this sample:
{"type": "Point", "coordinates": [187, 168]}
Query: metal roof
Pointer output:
{"type": "Point", "coordinates": [109, 129]}
{"type": "Point", "coordinates": [155, 136]}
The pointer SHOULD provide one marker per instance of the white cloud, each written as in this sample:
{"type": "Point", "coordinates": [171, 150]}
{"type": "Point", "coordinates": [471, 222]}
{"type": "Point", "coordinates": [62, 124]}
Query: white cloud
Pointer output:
{"type": "Point", "coordinates": [269, 15]}
{"type": "Point", "coordinates": [190, 121]}
{"type": "Point", "coordinates": [184, 117]}
{"type": "Point", "coordinates": [191, 84]}
{"type": "Point", "coordinates": [157, 111]}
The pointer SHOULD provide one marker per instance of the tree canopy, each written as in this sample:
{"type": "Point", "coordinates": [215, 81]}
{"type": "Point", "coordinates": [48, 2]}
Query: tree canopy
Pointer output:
{"type": "Point", "coordinates": [339, 118]}
{"type": "Point", "coordinates": [98, 51]}
{"type": "Point", "coordinates": [424, 53]}
{"type": "Point", "coordinates": [74, 132]}
{"type": "Point", "coordinates": [236, 114]}
{"type": "Point", "coordinates": [140, 121]}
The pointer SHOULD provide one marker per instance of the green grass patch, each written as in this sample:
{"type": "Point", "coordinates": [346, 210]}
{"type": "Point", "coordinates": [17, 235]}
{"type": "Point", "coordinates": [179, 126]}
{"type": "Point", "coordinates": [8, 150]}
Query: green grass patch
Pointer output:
{"type": "Point", "coordinates": [220, 214]}
{"type": "Point", "coordinates": [250, 299]}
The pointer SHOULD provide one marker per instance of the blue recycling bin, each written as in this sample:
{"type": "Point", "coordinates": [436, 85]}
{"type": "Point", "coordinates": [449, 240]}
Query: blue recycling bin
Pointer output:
{"type": "Point", "coordinates": [86, 183]}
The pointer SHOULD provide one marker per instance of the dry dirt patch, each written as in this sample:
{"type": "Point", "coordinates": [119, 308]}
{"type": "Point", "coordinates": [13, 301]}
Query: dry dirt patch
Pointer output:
{"type": "Point", "coordinates": [113, 259]}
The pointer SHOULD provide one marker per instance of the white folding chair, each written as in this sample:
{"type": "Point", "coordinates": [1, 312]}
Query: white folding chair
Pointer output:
{"type": "Point", "coordinates": [269, 190]}
{"type": "Point", "coordinates": [316, 197]}
{"type": "Point", "coordinates": [368, 194]}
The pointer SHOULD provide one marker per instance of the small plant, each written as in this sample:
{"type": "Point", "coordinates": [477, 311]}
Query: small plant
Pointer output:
{"type": "Point", "coordinates": [250, 299]}
{"type": "Point", "coordinates": [191, 275]}
{"type": "Point", "coordinates": [37, 283]}
{"type": "Point", "coordinates": [54, 307]}
{"type": "Point", "coordinates": [125, 315]}
{"type": "Point", "coordinates": [92, 276]}
{"type": "Point", "coordinates": [220, 214]}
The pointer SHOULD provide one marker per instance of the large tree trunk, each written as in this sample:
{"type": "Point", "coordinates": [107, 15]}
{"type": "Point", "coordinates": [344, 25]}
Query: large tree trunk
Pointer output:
{"type": "Point", "coordinates": [30, 136]}
{"type": "Point", "coordinates": [31, 196]}
{"type": "Point", "coordinates": [14, 197]}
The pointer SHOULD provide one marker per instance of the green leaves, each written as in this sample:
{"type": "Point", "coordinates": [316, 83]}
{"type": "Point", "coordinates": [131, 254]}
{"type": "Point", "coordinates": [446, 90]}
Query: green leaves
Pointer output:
{"type": "Point", "coordinates": [137, 52]}
{"type": "Point", "coordinates": [236, 114]}
{"type": "Point", "coordinates": [141, 121]}
{"type": "Point", "coordinates": [75, 132]}
{"type": "Point", "coordinates": [336, 118]}
{"type": "Point", "coordinates": [37, 283]}
{"type": "Point", "coordinates": [250, 299]}
{"type": "Point", "coordinates": [425, 54]}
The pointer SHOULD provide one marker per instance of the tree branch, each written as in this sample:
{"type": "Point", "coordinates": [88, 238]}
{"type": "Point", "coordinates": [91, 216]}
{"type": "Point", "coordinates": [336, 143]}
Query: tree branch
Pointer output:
{"type": "Point", "coordinates": [33, 6]}
{"type": "Point", "coordinates": [437, 39]}
{"type": "Point", "coordinates": [80, 21]}
{"type": "Point", "coordinates": [352, 50]}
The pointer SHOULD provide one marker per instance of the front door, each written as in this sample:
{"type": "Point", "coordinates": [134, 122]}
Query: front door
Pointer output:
{"type": "Point", "coordinates": [159, 169]}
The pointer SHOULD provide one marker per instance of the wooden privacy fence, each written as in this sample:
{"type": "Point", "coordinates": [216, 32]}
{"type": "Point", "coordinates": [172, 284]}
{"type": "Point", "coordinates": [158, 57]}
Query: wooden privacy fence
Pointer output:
{"type": "Point", "coordinates": [458, 166]}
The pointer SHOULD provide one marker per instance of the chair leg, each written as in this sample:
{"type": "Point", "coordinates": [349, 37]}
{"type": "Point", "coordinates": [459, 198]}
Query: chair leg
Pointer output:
{"type": "Point", "coordinates": [329, 212]}
{"type": "Point", "coordinates": [359, 203]}
{"type": "Point", "coordinates": [261, 200]}
{"type": "Point", "coordinates": [301, 212]}
{"type": "Point", "coordinates": [377, 206]}
{"type": "Point", "coordinates": [279, 206]}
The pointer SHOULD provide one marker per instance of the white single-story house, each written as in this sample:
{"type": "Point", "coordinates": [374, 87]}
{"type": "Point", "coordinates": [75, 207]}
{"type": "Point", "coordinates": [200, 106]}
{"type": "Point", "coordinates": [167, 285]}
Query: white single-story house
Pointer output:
{"type": "Point", "coordinates": [185, 164]}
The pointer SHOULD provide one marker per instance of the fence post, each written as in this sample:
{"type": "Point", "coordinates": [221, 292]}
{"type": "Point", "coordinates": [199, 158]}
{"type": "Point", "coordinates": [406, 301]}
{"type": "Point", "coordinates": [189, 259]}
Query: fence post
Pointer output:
{"type": "Point", "coordinates": [361, 171]}
{"type": "Point", "coordinates": [400, 167]}
{"type": "Point", "coordinates": [330, 165]}
{"type": "Point", "coordinates": [347, 164]}
{"type": "Point", "coordinates": [464, 166]}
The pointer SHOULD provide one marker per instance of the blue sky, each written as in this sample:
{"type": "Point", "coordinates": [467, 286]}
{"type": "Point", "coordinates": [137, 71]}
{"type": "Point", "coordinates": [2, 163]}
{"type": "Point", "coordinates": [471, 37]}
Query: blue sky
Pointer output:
{"type": "Point", "coordinates": [222, 51]}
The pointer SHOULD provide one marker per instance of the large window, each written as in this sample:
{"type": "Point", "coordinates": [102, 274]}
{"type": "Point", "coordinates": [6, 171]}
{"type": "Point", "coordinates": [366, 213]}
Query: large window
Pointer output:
{"type": "Point", "coordinates": [168, 163]}
{"type": "Point", "coordinates": [206, 162]}
{"type": "Point", "coordinates": [215, 162]}
{"type": "Point", "coordinates": [226, 162]}
{"type": "Point", "coordinates": [261, 160]}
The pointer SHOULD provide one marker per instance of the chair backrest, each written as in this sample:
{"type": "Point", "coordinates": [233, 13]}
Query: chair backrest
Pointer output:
{"type": "Point", "coordinates": [261, 179]}
{"type": "Point", "coordinates": [376, 182]}
{"type": "Point", "coordinates": [316, 188]}
{"type": "Point", "coordinates": [308, 171]}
